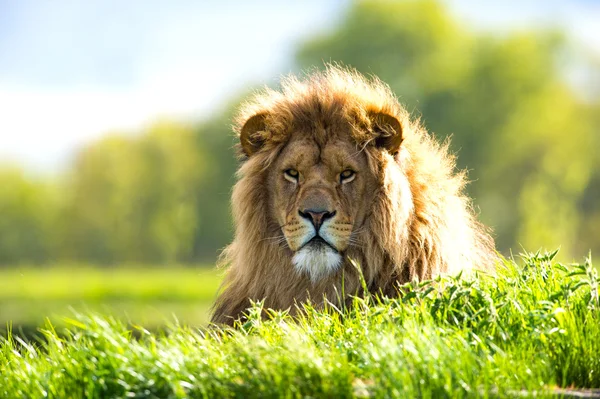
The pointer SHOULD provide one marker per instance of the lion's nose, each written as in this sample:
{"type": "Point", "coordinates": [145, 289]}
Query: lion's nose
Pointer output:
{"type": "Point", "coordinates": [316, 216]}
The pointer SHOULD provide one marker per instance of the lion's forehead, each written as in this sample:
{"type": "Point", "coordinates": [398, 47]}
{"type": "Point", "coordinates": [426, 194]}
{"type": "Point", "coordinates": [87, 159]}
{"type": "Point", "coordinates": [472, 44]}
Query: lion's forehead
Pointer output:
{"type": "Point", "coordinates": [335, 154]}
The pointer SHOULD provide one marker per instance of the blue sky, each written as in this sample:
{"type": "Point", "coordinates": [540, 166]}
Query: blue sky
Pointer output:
{"type": "Point", "coordinates": [71, 71]}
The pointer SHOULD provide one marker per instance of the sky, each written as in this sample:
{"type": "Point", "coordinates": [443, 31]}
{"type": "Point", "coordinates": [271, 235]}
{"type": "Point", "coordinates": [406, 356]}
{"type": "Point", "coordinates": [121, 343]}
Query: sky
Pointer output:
{"type": "Point", "coordinates": [74, 70]}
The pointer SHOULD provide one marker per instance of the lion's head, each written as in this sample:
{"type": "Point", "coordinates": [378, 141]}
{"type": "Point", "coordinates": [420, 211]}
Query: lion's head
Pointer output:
{"type": "Point", "coordinates": [333, 170]}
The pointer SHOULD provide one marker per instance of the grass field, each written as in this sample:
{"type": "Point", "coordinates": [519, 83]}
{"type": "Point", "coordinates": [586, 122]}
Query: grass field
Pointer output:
{"type": "Point", "coordinates": [523, 333]}
{"type": "Point", "coordinates": [142, 295]}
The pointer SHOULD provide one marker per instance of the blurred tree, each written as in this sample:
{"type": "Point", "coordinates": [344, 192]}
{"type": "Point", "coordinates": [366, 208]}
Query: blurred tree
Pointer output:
{"type": "Point", "coordinates": [134, 199]}
{"type": "Point", "coordinates": [520, 130]}
{"type": "Point", "coordinates": [215, 230]}
{"type": "Point", "coordinates": [159, 197]}
{"type": "Point", "coordinates": [27, 214]}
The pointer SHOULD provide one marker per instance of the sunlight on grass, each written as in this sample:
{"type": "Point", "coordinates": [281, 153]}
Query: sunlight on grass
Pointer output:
{"type": "Point", "coordinates": [523, 332]}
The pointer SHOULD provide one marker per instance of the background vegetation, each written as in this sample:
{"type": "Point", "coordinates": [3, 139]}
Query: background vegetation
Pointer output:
{"type": "Point", "coordinates": [521, 129]}
{"type": "Point", "coordinates": [519, 124]}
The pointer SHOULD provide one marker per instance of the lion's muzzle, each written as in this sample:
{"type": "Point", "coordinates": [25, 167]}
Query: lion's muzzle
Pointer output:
{"type": "Point", "coordinates": [318, 254]}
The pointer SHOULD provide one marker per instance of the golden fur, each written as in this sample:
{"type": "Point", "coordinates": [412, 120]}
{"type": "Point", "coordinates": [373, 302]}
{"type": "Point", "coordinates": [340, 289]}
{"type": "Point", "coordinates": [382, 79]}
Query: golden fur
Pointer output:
{"type": "Point", "coordinates": [415, 221]}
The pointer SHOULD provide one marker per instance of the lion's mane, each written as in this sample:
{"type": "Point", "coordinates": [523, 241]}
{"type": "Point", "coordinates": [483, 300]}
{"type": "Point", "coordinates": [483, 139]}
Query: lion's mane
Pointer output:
{"type": "Point", "coordinates": [420, 225]}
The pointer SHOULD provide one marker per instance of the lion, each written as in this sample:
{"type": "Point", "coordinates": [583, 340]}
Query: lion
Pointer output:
{"type": "Point", "coordinates": [335, 174]}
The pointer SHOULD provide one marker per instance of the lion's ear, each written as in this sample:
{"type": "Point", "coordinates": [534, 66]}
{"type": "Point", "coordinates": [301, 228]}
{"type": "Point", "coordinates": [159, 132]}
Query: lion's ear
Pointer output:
{"type": "Point", "coordinates": [252, 134]}
{"type": "Point", "coordinates": [388, 131]}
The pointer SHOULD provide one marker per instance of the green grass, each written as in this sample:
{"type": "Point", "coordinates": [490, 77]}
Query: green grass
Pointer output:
{"type": "Point", "coordinates": [524, 332]}
{"type": "Point", "coordinates": [142, 295]}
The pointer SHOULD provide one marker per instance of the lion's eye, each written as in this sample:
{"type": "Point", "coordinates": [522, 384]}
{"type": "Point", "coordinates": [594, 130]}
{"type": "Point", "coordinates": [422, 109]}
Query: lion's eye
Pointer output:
{"type": "Point", "coordinates": [347, 176]}
{"type": "Point", "coordinates": [291, 175]}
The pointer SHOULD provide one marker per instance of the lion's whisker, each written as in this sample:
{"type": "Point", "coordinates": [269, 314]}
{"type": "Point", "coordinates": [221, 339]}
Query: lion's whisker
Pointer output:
{"type": "Point", "coordinates": [354, 235]}
{"type": "Point", "coordinates": [355, 242]}
{"type": "Point", "coordinates": [355, 245]}
{"type": "Point", "coordinates": [276, 238]}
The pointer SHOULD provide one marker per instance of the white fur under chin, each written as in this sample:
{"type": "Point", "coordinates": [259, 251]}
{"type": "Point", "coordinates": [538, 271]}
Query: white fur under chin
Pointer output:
{"type": "Point", "coordinates": [317, 262]}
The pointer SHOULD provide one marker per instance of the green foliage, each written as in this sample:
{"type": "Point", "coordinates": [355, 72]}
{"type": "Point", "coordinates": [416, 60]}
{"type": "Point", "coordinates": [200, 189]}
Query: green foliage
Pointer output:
{"type": "Point", "coordinates": [214, 230]}
{"type": "Point", "coordinates": [160, 197]}
{"type": "Point", "coordinates": [27, 214]}
{"type": "Point", "coordinates": [525, 330]}
{"type": "Point", "coordinates": [134, 199]}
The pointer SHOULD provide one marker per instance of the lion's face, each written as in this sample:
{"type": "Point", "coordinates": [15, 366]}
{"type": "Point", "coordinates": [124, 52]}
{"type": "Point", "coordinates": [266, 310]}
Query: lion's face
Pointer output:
{"type": "Point", "coordinates": [319, 197]}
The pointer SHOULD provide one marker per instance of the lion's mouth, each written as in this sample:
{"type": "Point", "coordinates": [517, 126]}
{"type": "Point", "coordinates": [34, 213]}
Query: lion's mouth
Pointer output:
{"type": "Point", "coordinates": [318, 242]}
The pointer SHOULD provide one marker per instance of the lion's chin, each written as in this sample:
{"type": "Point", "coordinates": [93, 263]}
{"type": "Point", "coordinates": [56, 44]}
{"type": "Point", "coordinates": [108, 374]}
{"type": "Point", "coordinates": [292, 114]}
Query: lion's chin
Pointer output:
{"type": "Point", "coordinates": [317, 261]}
